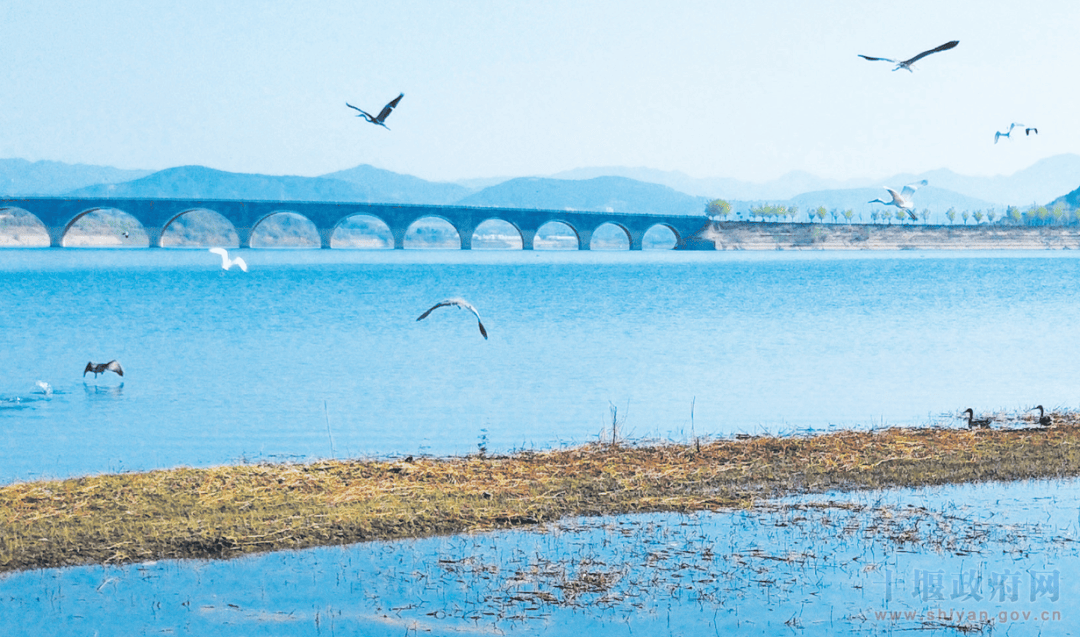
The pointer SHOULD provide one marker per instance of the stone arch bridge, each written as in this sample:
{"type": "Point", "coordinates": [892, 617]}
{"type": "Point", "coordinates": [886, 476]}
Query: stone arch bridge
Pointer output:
{"type": "Point", "coordinates": [58, 214]}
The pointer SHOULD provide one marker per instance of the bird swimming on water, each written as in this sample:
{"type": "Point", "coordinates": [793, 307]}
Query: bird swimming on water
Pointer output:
{"type": "Point", "coordinates": [906, 64]}
{"type": "Point", "coordinates": [972, 423]}
{"type": "Point", "coordinates": [101, 368]}
{"type": "Point", "coordinates": [226, 262]}
{"type": "Point", "coordinates": [383, 114]}
{"type": "Point", "coordinates": [1044, 420]}
{"type": "Point", "coordinates": [903, 199]}
{"type": "Point", "coordinates": [461, 303]}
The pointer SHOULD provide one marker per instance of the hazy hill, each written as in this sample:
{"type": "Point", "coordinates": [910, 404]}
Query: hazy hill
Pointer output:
{"type": "Point", "coordinates": [1040, 182]}
{"type": "Point", "coordinates": [21, 177]}
{"type": "Point", "coordinates": [1071, 200]}
{"type": "Point", "coordinates": [789, 185]}
{"type": "Point", "coordinates": [385, 186]}
{"type": "Point", "coordinates": [613, 194]}
{"type": "Point", "coordinates": [199, 182]}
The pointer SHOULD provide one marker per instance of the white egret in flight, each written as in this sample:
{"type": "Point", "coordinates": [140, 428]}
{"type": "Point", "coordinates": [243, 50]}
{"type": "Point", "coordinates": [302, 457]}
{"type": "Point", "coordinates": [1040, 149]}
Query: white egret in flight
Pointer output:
{"type": "Point", "coordinates": [902, 199]}
{"type": "Point", "coordinates": [226, 262]}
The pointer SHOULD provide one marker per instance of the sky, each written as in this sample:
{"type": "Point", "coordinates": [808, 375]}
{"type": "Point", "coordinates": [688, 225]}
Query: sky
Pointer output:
{"type": "Point", "coordinates": [748, 90]}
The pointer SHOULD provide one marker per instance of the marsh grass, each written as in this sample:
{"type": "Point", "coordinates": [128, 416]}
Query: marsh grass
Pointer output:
{"type": "Point", "coordinates": [228, 511]}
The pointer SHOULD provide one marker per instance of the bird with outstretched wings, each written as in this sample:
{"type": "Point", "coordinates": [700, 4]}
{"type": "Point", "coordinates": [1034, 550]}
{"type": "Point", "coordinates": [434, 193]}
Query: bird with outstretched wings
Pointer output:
{"type": "Point", "coordinates": [906, 64]}
{"type": "Point", "coordinates": [461, 303]}
{"type": "Point", "coordinates": [383, 114]}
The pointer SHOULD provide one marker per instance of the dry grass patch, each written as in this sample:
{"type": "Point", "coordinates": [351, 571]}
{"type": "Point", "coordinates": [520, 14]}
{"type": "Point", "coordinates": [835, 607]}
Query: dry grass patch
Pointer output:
{"type": "Point", "coordinates": [228, 511]}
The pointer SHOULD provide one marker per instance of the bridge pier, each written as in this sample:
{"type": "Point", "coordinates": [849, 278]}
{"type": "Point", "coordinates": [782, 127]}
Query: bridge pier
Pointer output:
{"type": "Point", "coordinates": [584, 239]}
{"type": "Point", "coordinates": [465, 235]}
{"type": "Point", "coordinates": [637, 238]}
{"type": "Point", "coordinates": [56, 236]}
{"type": "Point", "coordinates": [244, 235]}
{"type": "Point", "coordinates": [399, 237]}
{"type": "Point", "coordinates": [154, 234]}
{"type": "Point", "coordinates": [527, 237]}
{"type": "Point", "coordinates": [325, 235]}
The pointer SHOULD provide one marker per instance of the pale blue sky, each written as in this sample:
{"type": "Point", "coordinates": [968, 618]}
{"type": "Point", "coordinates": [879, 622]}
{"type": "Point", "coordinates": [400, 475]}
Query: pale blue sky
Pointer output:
{"type": "Point", "coordinates": [748, 90]}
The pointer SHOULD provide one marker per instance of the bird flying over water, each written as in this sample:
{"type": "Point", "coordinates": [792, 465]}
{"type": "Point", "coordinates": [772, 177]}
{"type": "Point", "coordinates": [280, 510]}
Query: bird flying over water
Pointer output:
{"type": "Point", "coordinates": [101, 368]}
{"type": "Point", "coordinates": [906, 64]}
{"type": "Point", "coordinates": [383, 114]}
{"type": "Point", "coordinates": [226, 262]}
{"type": "Point", "coordinates": [903, 199]}
{"type": "Point", "coordinates": [459, 303]}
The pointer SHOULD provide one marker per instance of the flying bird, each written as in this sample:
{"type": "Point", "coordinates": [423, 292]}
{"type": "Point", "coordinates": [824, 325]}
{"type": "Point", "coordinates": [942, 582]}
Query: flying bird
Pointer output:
{"type": "Point", "coordinates": [1044, 420]}
{"type": "Point", "coordinates": [1027, 131]}
{"type": "Point", "coordinates": [972, 423]}
{"type": "Point", "coordinates": [383, 114]}
{"type": "Point", "coordinates": [101, 368]}
{"type": "Point", "coordinates": [903, 199]}
{"type": "Point", "coordinates": [462, 303]}
{"type": "Point", "coordinates": [226, 262]}
{"type": "Point", "coordinates": [906, 64]}
{"type": "Point", "coordinates": [998, 134]}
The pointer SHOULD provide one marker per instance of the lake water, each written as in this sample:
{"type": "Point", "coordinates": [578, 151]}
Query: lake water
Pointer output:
{"type": "Point", "coordinates": [316, 353]}
{"type": "Point", "coordinates": [974, 559]}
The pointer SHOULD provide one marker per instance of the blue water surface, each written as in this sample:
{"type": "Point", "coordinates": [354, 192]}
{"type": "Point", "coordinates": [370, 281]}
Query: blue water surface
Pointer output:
{"type": "Point", "coordinates": [316, 353]}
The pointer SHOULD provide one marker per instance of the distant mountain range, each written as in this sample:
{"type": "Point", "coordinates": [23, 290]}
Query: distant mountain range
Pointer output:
{"type": "Point", "coordinates": [1042, 181]}
{"type": "Point", "coordinates": [610, 194]}
{"type": "Point", "coordinates": [21, 177]}
{"type": "Point", "coordinates": [618, 189]}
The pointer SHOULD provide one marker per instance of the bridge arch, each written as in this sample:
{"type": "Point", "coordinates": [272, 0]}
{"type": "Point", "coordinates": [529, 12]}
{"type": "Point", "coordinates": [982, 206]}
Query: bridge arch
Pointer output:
{"type": "Point", "coordinates": [284, 229]}
{"type": "Point", "coordinates": [21, 228]}
{"type": "Point", "coordinates": [198, 227]}
{"type": "Point", "coordinates": [611, 236]}
{"type": "Point", "coordinates": [494, 233]}
{"type": "Point", "coordinates": [556, 234]}
{"type": "Point", "coordinates": [104, 227]}
{"type": "Point", "coordinates": [660, 236]}
{"type": "Point", "coordinates": [432, 232]}
{"type": "Point", "coordinates": [361, 231]}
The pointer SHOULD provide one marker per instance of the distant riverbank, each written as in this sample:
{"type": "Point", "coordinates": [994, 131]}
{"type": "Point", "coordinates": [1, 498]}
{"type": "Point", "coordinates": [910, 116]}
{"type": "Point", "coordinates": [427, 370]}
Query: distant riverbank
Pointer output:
{"type": "Point", "coordinates": [227, 511]}
{"type": "Point", "coordinates": [743, 235]}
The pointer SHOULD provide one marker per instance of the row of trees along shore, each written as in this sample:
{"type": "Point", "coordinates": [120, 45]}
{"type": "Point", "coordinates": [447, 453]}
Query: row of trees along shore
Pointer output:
{"type": "Point", "coordinates": [1034, 215]}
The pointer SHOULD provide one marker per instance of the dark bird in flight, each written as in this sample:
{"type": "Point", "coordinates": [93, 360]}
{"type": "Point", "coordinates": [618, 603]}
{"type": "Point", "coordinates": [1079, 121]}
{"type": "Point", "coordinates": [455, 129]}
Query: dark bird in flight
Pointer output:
{"type": "Point", "coordinates": [383, 114]}
{"type": "Point", "coordinates": [460, 303]}
{"type": "Point", "coordinates": [1027, 131]}
{"type": "Point", "coordinates": [972, 423]}
{"type": "Point", "coordinates": [101, 368]}
{"type": "Point", "coordinates": [906, 64]}
{"type": "Point", "coordinates": [1044, 420]}
{"type": "Point", "coordinates": [903, 199]}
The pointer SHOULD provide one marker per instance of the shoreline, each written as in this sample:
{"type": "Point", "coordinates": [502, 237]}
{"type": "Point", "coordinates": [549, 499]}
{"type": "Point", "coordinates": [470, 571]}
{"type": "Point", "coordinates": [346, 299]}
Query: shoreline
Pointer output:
{"type": "Point", "coordinates": [767, 235]}
{"type": "Point", "coordinates": [229, 511]}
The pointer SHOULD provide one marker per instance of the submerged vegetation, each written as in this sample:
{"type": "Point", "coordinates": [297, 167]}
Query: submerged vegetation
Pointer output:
{"type": "Point", "coordinates": [228, 511]}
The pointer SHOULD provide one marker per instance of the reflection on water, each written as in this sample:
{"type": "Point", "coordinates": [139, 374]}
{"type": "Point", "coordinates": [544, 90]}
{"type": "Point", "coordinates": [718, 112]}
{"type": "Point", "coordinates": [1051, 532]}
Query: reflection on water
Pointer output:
{"type": "Point", "coordinates": [952, 560]}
